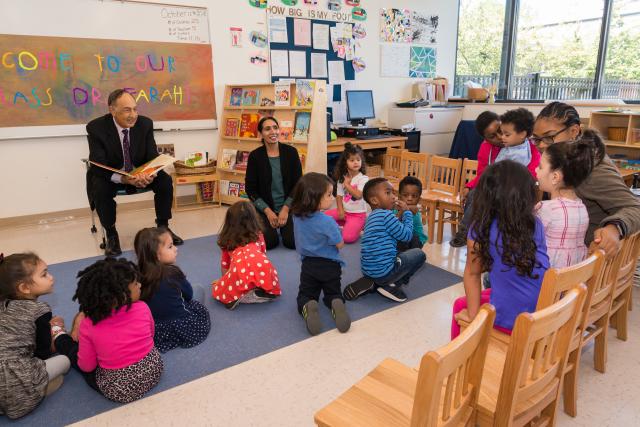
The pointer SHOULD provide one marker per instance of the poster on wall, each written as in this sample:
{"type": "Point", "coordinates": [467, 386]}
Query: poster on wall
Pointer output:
{"type": "Point", "coordinates": [424, 28]}
{"type": "Point", "coordinates": [423, 62]}
{"type": "Point", "coordinates": [394, 60]}
{"type": "Point", "coordinates": [408, 26]}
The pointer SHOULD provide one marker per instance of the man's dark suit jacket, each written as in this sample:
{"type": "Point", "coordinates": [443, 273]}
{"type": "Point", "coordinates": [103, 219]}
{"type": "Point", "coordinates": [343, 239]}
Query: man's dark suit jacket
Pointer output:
{"type": "Point", "coordinates": [105, 146]}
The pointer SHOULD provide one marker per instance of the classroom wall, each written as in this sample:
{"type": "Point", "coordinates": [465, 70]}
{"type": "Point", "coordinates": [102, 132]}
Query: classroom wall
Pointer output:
{"type": "Point", "coordinates": [45, 175]}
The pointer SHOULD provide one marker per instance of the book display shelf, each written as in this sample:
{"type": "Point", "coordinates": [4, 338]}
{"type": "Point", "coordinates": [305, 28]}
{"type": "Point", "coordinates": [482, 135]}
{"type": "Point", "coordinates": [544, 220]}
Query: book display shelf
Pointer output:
{"type": "Point", "coordinates": [621, 131]}
{"type": "Point", "coordinates": [299, 107]}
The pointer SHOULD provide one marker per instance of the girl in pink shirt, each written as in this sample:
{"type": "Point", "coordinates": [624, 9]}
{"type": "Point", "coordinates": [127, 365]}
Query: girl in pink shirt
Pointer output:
{"type": "Point", "coordinates": [114, 349]}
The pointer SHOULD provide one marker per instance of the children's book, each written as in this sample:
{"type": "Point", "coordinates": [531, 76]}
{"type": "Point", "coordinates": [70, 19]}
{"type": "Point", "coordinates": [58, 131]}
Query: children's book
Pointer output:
{"type": "Point", "coordinates": [151, 167]}
{"type": "Point", "coordinates": [205, 191]}
{"type": "Point", "coordinates": [235, 100]}
{"type": "Point", "coordinates": [302, 153]}
{"type": "Point", "coordinates": [228, 158]}
{"type": "Point", "coordinates": [243, 192]}
{"type": "Point", "coordinates": [231, 127]}
{"type": "Point", "coordinates": [196, 158]}
{"type": "Point", "coordinates": [304, 92]}
{"type": "Point", "coordinates": [234, 189]}
{"type": "Point", "coordinates": [267, 102]}
{"type": "Point", "coordinates": [286, 130]}
{"type": "Point", "coordinates": [249, 125]}
{"type": "Point", "coordinates": [251, 97]}
{"type": "Point", "coordinates": [303, 121]}
{"type": "Point", "coordinates": [242, 158]}
{"type": "Point", "coordinates": [283, 94]}
{"type": "Point", "coordinates": [224, 186]}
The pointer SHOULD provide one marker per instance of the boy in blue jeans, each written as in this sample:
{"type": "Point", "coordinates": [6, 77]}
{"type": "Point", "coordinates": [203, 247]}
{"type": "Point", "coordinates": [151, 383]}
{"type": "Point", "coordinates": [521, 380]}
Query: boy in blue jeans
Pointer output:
{"type": "Point", "coordinates": [381, 264]}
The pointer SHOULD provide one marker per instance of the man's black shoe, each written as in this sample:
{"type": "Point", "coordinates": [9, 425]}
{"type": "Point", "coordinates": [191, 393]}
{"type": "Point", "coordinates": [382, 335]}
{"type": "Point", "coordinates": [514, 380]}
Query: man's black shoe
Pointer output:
{"type": "Point", "coordinates": [112, 249]}
{"type": "Point", "coordinates": [177, 240]}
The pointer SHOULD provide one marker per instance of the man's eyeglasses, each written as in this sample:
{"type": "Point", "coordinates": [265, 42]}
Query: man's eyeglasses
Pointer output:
{"type": "Point", "coordinates": [549, 139]}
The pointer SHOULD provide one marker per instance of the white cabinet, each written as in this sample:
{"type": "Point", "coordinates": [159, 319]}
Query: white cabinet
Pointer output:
{"type": "Point", "coordinates": [437, 125]}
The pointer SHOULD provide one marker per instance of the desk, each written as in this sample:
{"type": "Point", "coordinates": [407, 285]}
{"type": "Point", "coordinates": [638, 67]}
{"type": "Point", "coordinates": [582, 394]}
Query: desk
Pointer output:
{"type": "Point", "coordinates": [628, 175]}
{"type": "Point", "coordinates": [385, 141]}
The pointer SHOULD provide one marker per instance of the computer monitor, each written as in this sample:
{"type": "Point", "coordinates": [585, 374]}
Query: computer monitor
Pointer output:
{"type": "Point", "coordinates": [359, 106]}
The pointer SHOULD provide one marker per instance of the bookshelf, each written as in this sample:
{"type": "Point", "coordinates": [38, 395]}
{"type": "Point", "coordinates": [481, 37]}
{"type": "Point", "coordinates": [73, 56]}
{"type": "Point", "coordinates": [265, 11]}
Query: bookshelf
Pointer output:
{"type": "Point", "coordinates": [239, 136]}
{"type": "Point", "coordinates": [621, 131]}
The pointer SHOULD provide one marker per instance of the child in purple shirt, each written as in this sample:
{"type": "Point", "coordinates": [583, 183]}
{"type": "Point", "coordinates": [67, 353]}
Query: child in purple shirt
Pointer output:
{"type": "Point", "coordinates": [507, 240]}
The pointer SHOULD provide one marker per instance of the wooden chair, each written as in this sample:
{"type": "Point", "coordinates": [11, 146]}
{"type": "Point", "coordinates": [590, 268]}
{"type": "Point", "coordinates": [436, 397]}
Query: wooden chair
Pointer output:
{"type": "Point", "coordinates": [622, 291]}
{"type": "Point", "coordinates": [521, 385]}
{"type": "Point", "coordinates": [443, 392]}
{"type": "Point", "coordinates": [392, 168]}
{"type": "Point", "coordinates": [443, 183]}
{"type": "Point", "coordinates": [453, 206]}
{"type": "Point", "coordinates": [414, 164]}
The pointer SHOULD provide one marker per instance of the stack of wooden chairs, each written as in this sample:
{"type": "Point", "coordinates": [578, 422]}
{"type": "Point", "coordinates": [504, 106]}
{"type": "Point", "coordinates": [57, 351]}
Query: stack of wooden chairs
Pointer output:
{"type": "Point", "coordinates": [487, 378]}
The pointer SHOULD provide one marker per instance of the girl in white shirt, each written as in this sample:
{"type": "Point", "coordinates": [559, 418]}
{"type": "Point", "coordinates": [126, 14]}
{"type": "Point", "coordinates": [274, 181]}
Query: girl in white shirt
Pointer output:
{"type": "Point", "coordinates": [351, 209]}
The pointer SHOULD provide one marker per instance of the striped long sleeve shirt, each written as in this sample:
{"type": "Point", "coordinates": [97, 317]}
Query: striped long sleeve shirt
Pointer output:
{"type": "Point", "coordinates": [382, 231]}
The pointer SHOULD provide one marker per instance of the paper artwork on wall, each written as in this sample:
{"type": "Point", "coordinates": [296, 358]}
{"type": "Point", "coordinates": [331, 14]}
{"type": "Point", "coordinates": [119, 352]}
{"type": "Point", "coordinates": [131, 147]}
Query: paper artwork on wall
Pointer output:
{"type": "Point", "coordinates": [302, 32]}
{"type": "Point", "coordinates": [318, 65]}
{"type": "Point", "coordinates": [290, 2]}
{"type": "Point", "coordinates": [262, 4]}
{"type": "Point", "coordinates": [394, 60]}
{"type": "Point", "coordinates": [236, 36]}
{"type": "Point", "coordinates": [424, 28]}
{"type": "Point", "coordinates": [395, 25]}
{"type": "Point", "coordinates": [334, 5]}
{"type": "Point", "coordinates": [279, 63]}
{"type": "Point", "coordinates": [320, 36]}
{"type": "Point", "coordinates": [278, 29]}
{"type": "Point", "coordinates": [297, 63]}
{"type": "Point", "coordinates": [423, 62]}
{"type": "Point", "coordinates": [358, 14]}
{"type": "Point", "coordinates": [259, 58]}
{"type": "Point", "coordinates": [359, 64]}
{"type": "Point", "coordinates": [359, 31]}
{"type": "Point", "coordinates": [258, 38]}
{"type": "Point", "coordinates": [311, 2]}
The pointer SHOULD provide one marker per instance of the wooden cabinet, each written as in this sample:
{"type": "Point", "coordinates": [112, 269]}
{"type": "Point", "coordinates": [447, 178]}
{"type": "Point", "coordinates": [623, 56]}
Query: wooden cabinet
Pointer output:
{"type": "Point", "coordinates": [621, 131]}
{"type": "Point", "coordinates": [237, 135]}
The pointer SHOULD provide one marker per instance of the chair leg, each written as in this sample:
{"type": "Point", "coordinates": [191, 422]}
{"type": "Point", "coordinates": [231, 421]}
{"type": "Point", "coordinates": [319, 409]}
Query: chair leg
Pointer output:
{"type": "Point", "coordinates": [631, 298]}
{"type": "Point", "coordinates": [600, 344]}
{"type": "Point", "coordinates": [622, 316]}
{"type": "Point", "coordinates": [441, 214]}
{"type": "Point", "coordinates": [454, 223]}
{"type": "Point", "coordinates": [570, 385]}
{"type": "Point", "coordinates": [431, 221]}
{"type": "Point", "coordinates": [93, 221]}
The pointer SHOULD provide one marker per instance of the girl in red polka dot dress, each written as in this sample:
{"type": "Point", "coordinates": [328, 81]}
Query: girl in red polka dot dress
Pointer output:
{"type": "Point", "coordinates": [247, 274]}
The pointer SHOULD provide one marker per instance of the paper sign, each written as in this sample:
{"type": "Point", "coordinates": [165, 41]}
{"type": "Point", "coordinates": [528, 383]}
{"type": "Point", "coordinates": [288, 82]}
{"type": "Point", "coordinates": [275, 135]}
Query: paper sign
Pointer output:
{"type": "Point", "coordinates": [297, 63]}
{"type": "Point", "coordinates": [279, 63]}
{"type": "Point", "coordinates": [336, 72]}
{"type": "Point", "coordinates": [320, 37]}
{"type": "Point", "coordinates": [319, 65]}
{"type": "Point", "coordinates": [278, 29]}
{"type": "Point", "coordinates": [302, 32]}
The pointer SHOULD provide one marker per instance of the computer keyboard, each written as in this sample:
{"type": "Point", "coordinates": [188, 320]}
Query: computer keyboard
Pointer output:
{"type": "Point", "coordinates": [370, 136]}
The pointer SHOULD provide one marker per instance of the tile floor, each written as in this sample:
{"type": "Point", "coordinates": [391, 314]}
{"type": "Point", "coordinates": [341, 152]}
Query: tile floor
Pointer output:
{"type": "Point", "coordinates": [286, 387]}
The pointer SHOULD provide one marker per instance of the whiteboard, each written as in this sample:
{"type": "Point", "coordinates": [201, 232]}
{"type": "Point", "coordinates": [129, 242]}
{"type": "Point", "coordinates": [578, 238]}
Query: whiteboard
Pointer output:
{"type": "Point", "coordinates": [104, 19]}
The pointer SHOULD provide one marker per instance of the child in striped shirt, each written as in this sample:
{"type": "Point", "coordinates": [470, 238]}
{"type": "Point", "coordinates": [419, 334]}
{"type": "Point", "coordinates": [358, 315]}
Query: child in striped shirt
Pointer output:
{"type": "Point", "coordinates": [382, 266]}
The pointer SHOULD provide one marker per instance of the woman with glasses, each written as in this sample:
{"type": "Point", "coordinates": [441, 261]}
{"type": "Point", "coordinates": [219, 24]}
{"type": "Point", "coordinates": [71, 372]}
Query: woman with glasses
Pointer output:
{"type": "Point", "coordinates": [614, 212]}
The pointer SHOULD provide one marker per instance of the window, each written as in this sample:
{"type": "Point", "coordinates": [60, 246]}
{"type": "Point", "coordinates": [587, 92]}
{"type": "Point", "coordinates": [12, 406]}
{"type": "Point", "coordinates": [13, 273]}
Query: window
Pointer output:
{"type": "Point", "coordinates": [622, 66]}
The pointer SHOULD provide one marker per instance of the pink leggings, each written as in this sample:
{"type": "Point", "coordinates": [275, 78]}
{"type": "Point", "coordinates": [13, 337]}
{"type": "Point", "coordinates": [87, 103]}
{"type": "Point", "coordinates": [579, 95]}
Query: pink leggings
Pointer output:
{"type": "Point", "coordinates": [461, 303]}
{"type": "Point", "coordinates": [353, 223]}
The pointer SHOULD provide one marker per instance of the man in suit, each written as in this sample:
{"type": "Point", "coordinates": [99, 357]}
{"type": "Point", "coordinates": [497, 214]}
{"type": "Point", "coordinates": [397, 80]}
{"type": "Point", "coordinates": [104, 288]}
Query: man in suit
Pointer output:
{"type": "Point", "coordinates": [124, 140]}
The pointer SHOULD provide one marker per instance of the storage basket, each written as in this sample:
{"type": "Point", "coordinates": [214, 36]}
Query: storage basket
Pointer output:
{"type": "Point", "coordinates": [635, 135]}
{"type": "Point", "coordinates": [374, 171]}
{"type": "Point", "coordinates": [183, 169]}
{"type": "Point", "coordinates": [617, 133]}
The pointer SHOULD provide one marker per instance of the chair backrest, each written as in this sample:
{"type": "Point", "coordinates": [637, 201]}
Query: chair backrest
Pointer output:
{"type": "Point", "coordinates": [535, 361]}
{"type": "Point", "coordinates": [449, 378]}
{"type": "Point", "coordinates": [444, 175]}
{"type": "Point", "coordinates": [392, 163]}
{"type": "Point", "coordinates": [469, 172]}
{"type": "Point", "coordinates": [414, 164]}
{"type": "Point", "coordinates": [629, 257]}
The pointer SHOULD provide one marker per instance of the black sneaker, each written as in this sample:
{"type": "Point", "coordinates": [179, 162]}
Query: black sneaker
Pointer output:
{"type": "Point", "coordinates": [340, 315]}
{"type": "Point", "coordinates": [357, 288]}
{"type": "Point", "coordinates": [460, 238]}
{"type": "Point", "coordinates": [112, 248]}
{"type": "Point", "coordinates": [312, 317]}
{"type": "Point", "coordinates": [256, 296]}
{"type": "Point", "coordinates": [232, 305]}
{"type": "Point", "coordinates": [177, 240]}
{"type": "Point", "coordinates": [393, 292]}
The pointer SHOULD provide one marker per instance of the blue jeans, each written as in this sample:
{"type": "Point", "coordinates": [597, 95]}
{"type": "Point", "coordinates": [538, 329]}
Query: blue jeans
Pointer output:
{"type": "Point", "coordinates": [407, 263]}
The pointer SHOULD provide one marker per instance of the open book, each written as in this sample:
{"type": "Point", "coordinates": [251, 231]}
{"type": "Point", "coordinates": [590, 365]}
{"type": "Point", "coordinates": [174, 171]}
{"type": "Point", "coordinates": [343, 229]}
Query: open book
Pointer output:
{"type": "Point", "coordinates": [152, 167]}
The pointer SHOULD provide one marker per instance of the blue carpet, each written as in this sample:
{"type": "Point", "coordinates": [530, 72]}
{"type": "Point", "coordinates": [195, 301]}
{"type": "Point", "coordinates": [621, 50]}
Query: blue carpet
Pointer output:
{"type": "Point", "coordinates": [236, 336]}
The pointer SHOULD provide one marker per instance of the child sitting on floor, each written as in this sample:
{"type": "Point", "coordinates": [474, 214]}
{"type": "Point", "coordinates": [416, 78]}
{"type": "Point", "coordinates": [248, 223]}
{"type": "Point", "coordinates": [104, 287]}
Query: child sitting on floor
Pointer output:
{"type": "Point", "coordinates": [507, 240]}
{"type": "Point", "coordinates": [383, 267]}
{"type": "Point", "coordinates": [563, 167]}
{"type": "Point", "coordinates": [318, 241]}
{"type": "Point", "coordinates": [247, 274]}
{"type": "Point", "coordinates": [28, 372]}
{"type": "Point", "coordinates": [181, 319]}
{"type": "Point", "coordinates": [115, 350]}
{"type": "Point", "coordinates": [351, 210]}
{"type": "Point", "coordinates": [410, 190]}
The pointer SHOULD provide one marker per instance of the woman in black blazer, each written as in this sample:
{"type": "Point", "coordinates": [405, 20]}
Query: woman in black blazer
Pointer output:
{"type": "Point", "coordinates": [272, 172]}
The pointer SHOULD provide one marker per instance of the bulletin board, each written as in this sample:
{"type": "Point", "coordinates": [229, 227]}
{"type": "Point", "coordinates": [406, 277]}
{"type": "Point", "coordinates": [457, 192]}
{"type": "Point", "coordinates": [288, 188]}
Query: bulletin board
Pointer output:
{"type": "Point", "coordinates": [57, 71]}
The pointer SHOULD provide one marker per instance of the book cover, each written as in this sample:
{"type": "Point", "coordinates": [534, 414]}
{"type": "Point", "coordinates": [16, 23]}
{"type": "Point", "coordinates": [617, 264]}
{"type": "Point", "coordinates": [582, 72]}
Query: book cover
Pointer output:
{"type": "Point", "coordinates": [234, 189]}
{"type": "Point", "coordinates": [224, 186]}
{"type": "Point", "coordinates": [286, 130]}
{"type": "Point", "coordinates": [249, 125]}
{"type": "Point", "coordinates": [304, 92]}
{"type": "Point", "coordinates": [235, 100]}
{"type": "Point", "coordinates": [231, 127]}
{"type": "Point", "coordinates": [151, 167]}
{"type": "Point", "coordinates": [196, 158]}
{"type": "Point", "coordinates": [267, 102]}
{"type": "Point", "coordinates": [303, 121]}
{"type": "Point", "coordinates": [205, 190]}
{"type": "Point", "coordinates": [228, 158]}
{"type": "Point", "coordinates": [242, 158]}
{"type": "Point", "coordinates": [251, 97]}
{"type": "Point", "coordinates": [302, 153]}
{"type": "Point", "coordinates": [283, 94]}
{"type": "Point", "coordinates": [242, 191]}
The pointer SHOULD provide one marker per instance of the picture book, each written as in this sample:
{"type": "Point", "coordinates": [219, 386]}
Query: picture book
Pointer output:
{"type": "Point", "coordinates": [249, 125]}
{"type": "Point", "coordinates": [196, 158]}
{"type": "Point", "coordinates": [242, 158]}
{"type": "Point", "coordinates": [267, 102]}
{"type": "Point", "coordinates": [152, 167]}
{"type": "Point", "coordinates": [167, 149]}
{"type": "Point", "coordinates": [304, 92]}
{"type": "Point", "coordinates": [243, 192]}
{"type": "Point", "coordinates": [283, 94]}
{"type": "Point", "coordinates": [234, 189]}
{"type": "Point", "coordinates": [251, 97]}
{"type": "Point", "coordinates": [231, 127]}
{"type": "Point", "coordinates": [235, 100]}
{"type": "Point", "coordinates": [228, 158]}
{"type": "Point", "coordinates": [303, 121]}
{"type": "Point", "coordinates": [224, 186]}
{"type": "Point", "coordinates": [205, 191]}
{"type": "Point", "coordinates": [286, 130]}
{"type": "Point", "coordinates": [302, 153]}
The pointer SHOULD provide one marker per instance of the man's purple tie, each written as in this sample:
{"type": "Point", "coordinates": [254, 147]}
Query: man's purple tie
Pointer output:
{"type": "Point", "coordinates": [128, 166]}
